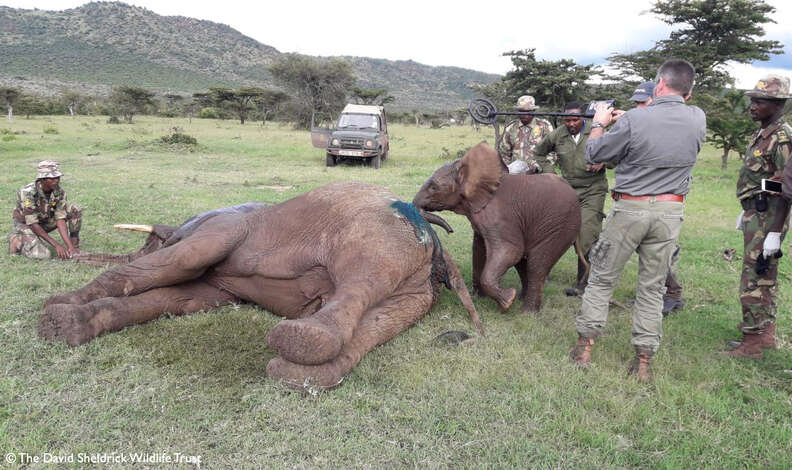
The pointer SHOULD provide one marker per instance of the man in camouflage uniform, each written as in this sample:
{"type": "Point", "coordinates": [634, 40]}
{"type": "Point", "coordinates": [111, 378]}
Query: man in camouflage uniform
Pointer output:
{"type": "Point", "coordinates": [42, 207]}
{"type": "Point", "coordinates": [521, 136]}
{"type": "Point", "coordinates": [764, 215]}
{"type": "Point", "coordinates": [588, 181]}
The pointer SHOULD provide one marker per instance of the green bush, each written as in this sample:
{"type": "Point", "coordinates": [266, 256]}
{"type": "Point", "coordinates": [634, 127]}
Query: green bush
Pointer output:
{"type": "Point", "coordinates": [9, 137]}
{"type": "Point", "coordinates": [51, 130]}
{"type": "Point", "coordinates": [179, 138]}
{"type": "Point", "coordinates": [113, 120]}
{"type": "Point", "coordinates": [5, 131]}
{"type": "Point", "coordinates": [209, 113]}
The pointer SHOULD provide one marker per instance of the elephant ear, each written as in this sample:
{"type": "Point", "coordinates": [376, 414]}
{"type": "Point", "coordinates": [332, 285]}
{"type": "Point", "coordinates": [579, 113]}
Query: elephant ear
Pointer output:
{"type": "Point", "coordinates": [480, 173]}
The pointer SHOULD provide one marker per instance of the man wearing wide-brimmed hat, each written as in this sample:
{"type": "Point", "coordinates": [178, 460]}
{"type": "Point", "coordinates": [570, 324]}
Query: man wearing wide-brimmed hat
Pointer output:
{"type": "Point", "coordinates": [520, 136]}
{"type": "Point", "coordinates": [42, 207]}
{"type": "Point", "coordinates": [763, 220]}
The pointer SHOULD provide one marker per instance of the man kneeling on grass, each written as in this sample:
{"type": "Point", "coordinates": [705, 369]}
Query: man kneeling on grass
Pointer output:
{"type": "Point", "coordinates": [41, 207]}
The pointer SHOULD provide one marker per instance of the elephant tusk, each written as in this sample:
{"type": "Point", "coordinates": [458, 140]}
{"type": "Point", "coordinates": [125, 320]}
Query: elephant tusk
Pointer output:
{"type": "Point", "coordinates": [135, 227]}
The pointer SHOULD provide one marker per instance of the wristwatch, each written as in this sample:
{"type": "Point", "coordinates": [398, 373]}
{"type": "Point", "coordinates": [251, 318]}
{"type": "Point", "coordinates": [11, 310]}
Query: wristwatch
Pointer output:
{"type": "Point", "coordinates": [597, 124]}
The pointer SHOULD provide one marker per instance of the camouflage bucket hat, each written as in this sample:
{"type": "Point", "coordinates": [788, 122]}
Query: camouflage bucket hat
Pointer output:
{"type": "Point", "coordinates": [48, 169]}
{"type": "Point", "coordinates": [771, 87]}
{"type": "Point", "coordinates": [526, 103]}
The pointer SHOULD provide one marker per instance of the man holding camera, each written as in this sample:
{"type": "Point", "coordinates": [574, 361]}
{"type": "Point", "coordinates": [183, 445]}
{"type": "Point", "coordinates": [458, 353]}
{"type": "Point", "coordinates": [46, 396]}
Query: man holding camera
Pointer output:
{"type": "Point", "coordinates": [763, 219]}
{"type": "Point", "coordinates": [654, 149]}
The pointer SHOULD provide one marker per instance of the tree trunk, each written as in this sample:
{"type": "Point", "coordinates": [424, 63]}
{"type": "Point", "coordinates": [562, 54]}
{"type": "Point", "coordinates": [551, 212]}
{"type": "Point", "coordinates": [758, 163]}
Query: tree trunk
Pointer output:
{"type": "Point", "coordinates": [10, 114]}
{"type": "Point", "coordinates": [71, 110]}
{"type": "Point", "coordinates": [724, 157]}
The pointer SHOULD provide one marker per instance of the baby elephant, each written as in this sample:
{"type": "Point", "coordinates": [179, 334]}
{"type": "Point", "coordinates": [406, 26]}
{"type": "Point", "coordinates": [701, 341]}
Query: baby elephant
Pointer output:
{"type": "Point", "coordinates": [347, 264]}
{"type": "Point", "coordinates": [520, 220]}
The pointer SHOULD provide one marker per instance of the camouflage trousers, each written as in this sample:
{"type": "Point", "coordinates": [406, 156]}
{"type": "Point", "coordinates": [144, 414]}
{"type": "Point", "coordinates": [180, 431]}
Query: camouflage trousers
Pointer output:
{"type": "Point", "coordinates": [23, 241]}
{"type": "Point", "coordinates": [651, 228]}
{"type": "Point", "coordinates": [758, 291]}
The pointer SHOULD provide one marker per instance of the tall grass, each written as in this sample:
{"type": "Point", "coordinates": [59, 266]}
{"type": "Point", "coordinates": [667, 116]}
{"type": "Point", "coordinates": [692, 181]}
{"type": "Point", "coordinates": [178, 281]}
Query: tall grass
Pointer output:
{"type": "Point", "coordinates": [196, 384]}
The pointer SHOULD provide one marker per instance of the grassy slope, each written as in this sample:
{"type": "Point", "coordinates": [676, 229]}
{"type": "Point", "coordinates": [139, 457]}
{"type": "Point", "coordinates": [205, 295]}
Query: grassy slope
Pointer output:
{"type": "Point", "coordinates": [197, 385]}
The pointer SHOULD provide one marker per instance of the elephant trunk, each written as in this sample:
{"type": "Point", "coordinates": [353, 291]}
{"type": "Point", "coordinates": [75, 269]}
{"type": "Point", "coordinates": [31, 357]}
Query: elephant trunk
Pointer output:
{"type": "Point", "coordinates": [435, 219]}
{"type": "Point", "coordinates": [458, 284]}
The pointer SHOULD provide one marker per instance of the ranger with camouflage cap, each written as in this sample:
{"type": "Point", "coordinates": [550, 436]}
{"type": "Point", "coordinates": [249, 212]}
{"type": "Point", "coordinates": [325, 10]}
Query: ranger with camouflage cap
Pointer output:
{"type": "Point", "coordinates": [41, 207]}
{"type": "Point", "coordinates": [520, 136]}
{"type": "Point", "coordinates": [764, 215]}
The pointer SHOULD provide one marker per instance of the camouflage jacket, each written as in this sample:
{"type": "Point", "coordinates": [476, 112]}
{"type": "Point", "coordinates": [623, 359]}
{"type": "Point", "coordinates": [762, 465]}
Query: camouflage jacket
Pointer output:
{"type": "Point", "coordinates": [519, 140]}
{"type": "Point", "coordinates": [767, 153]}
{"type": "Point", "coordinates": [33, 206]}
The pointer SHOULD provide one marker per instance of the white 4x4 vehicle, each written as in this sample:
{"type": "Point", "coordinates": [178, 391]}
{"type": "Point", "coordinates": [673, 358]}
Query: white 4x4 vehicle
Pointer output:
{"type": "Point", "coordinates": [361, 133]}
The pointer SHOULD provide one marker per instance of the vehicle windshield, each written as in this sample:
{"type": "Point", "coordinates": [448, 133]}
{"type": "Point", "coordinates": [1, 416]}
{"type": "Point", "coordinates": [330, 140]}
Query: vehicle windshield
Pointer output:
{"type": "Point", "coordinates": [358, 121]}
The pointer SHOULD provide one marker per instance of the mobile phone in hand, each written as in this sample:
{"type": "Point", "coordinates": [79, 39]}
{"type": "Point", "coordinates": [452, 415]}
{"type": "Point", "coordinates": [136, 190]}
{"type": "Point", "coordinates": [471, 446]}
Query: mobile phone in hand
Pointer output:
{"type": "Point", "coordinates": [770, 185]}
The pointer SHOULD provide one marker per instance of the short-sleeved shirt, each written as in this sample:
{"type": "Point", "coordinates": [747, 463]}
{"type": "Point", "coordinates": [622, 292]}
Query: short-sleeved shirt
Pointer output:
{"type": "Point", "coordinates": [765, 157]}
{"type": "Point", "coordinates": [519, 140]}
{"type": "Point", "coordinates": [39, 208]}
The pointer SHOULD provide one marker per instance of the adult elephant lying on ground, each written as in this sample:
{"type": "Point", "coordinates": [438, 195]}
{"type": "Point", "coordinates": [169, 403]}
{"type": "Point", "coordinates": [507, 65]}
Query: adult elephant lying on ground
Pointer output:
{"type": "Point", "coordinates": [520, 220]}
{"type": "Point", "coordinates": [347, 264]}
{"type": "Point", "coordinates": [161, 236]}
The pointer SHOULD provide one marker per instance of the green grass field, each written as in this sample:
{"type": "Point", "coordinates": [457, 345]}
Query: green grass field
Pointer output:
{"type": "Point", "coordinates": [196, 385]}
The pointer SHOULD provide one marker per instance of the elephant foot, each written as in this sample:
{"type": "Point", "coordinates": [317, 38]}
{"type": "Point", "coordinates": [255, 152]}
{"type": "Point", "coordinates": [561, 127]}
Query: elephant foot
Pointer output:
{"type": "Point", "coordinates": [508, 300]}
{"type": "Point", "coordinates": [69, 323]}
{"type": "Point", "coordinates": [77, 297]}
{"type": "Point", "coordinates": [304, 341]}
{"type": "Point", "coordinates": [529, 309]}
{"type": "Point", "coordinates": [304, 377]}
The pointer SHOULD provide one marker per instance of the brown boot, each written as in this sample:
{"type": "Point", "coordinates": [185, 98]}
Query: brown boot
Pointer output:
{"type": "Point", "coordinates": [750, 347]}
{"type": "Point", "coordinates": [640, 366]}
{"type": "Point", "coordinates": [14, 245]}
{"type": "Point", "coordinates": [766, 338]}
{"type": "Point", "coordinates": [581, 353]}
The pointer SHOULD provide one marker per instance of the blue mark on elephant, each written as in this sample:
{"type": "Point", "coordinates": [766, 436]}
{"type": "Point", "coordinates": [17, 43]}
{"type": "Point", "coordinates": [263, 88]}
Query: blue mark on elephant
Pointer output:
{"type": "Point", "coordinates": [424, 232]}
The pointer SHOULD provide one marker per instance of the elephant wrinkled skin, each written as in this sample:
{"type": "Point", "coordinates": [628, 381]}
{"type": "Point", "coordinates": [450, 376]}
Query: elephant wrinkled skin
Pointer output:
{"type": "Point", "coordinates": [346, 264]}
{"type": "Point", "coordinates": [521, 220]}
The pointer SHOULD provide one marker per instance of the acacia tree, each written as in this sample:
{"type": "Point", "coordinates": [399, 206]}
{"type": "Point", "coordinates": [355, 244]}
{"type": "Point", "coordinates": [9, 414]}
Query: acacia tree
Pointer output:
{"type": "Point", "coordinates": [269, 102]}
{"type": "Point", "coordinates": [316, 85]}
{"type": "Point", "coordinates": [708, 34]}
{"type": "Point", "coordinates": [376, 96]}
{"type": "Point", "coordinates": [552, 83]}
{"type": "Point", "coordinates": [8, 98]}
{"type": "Point", "coordinates": [72, 100]}
{"type": "Point", "coordinates": [728, 121]}
{"type": "Point", "coordinates": [130, 100]}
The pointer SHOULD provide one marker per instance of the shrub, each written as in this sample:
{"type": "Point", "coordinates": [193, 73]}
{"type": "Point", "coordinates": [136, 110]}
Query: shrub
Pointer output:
{"type": "Point", "coordinates": [114, 120]}
{"type": "Point", "coordinates": [51, 130]}
{"type": "Point", "coordinates": [209, 113]}
{"type": "Point", "coordinates": [179, 138]}
{"type": "Point", "coordinates": [5, 131]}
{"type": "Point", "coordinates": [9, 138]}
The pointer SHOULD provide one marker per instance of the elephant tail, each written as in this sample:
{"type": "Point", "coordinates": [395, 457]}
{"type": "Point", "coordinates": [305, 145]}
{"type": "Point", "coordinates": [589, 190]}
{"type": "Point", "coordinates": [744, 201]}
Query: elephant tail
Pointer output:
{"type": "Point", "coordinates": [457, 283]}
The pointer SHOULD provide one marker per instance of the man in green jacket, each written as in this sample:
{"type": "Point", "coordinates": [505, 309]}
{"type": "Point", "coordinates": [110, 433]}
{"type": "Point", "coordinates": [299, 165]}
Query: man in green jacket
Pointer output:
{"type": "Point", "coordinates": [588, 181]}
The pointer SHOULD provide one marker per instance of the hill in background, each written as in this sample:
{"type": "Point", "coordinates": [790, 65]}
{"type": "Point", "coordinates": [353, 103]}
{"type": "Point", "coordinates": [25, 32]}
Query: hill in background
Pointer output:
{"type": "Point", "coordinates": [104, 44]}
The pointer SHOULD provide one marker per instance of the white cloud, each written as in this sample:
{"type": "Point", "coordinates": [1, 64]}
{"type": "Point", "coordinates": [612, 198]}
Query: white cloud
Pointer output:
{"type": "Point", "coordinates": [442, 32]}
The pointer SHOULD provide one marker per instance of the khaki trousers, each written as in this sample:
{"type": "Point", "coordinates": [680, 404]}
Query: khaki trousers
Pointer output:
{"type": "Point", "coordinates": [651, 228]}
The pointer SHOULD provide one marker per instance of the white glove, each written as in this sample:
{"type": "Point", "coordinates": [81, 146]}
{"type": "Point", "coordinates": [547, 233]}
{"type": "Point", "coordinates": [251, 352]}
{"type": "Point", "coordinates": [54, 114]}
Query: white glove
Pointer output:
{"type": "Point", "coordinates": [772, 244]}
{"type": "Point", "coordinates": [739, 220]}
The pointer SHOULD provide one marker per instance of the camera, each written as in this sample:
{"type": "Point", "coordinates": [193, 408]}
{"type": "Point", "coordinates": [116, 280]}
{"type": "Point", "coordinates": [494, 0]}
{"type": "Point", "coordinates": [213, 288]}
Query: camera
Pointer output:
{"type": "Point", "coordinates": [771, 186]}
{"type": "Point", "coordinates": [589, 111]}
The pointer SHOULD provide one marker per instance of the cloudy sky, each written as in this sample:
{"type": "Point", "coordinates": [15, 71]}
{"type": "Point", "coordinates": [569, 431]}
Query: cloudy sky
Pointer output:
{"type": "Point", "coordinates": [446, 33]}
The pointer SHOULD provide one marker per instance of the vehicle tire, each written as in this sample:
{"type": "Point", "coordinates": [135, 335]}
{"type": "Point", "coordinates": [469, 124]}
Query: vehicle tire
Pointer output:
{"type": "Point", "coordinates": [330, 159]}
{"type": "Point", "coordinates": [376, 162]}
